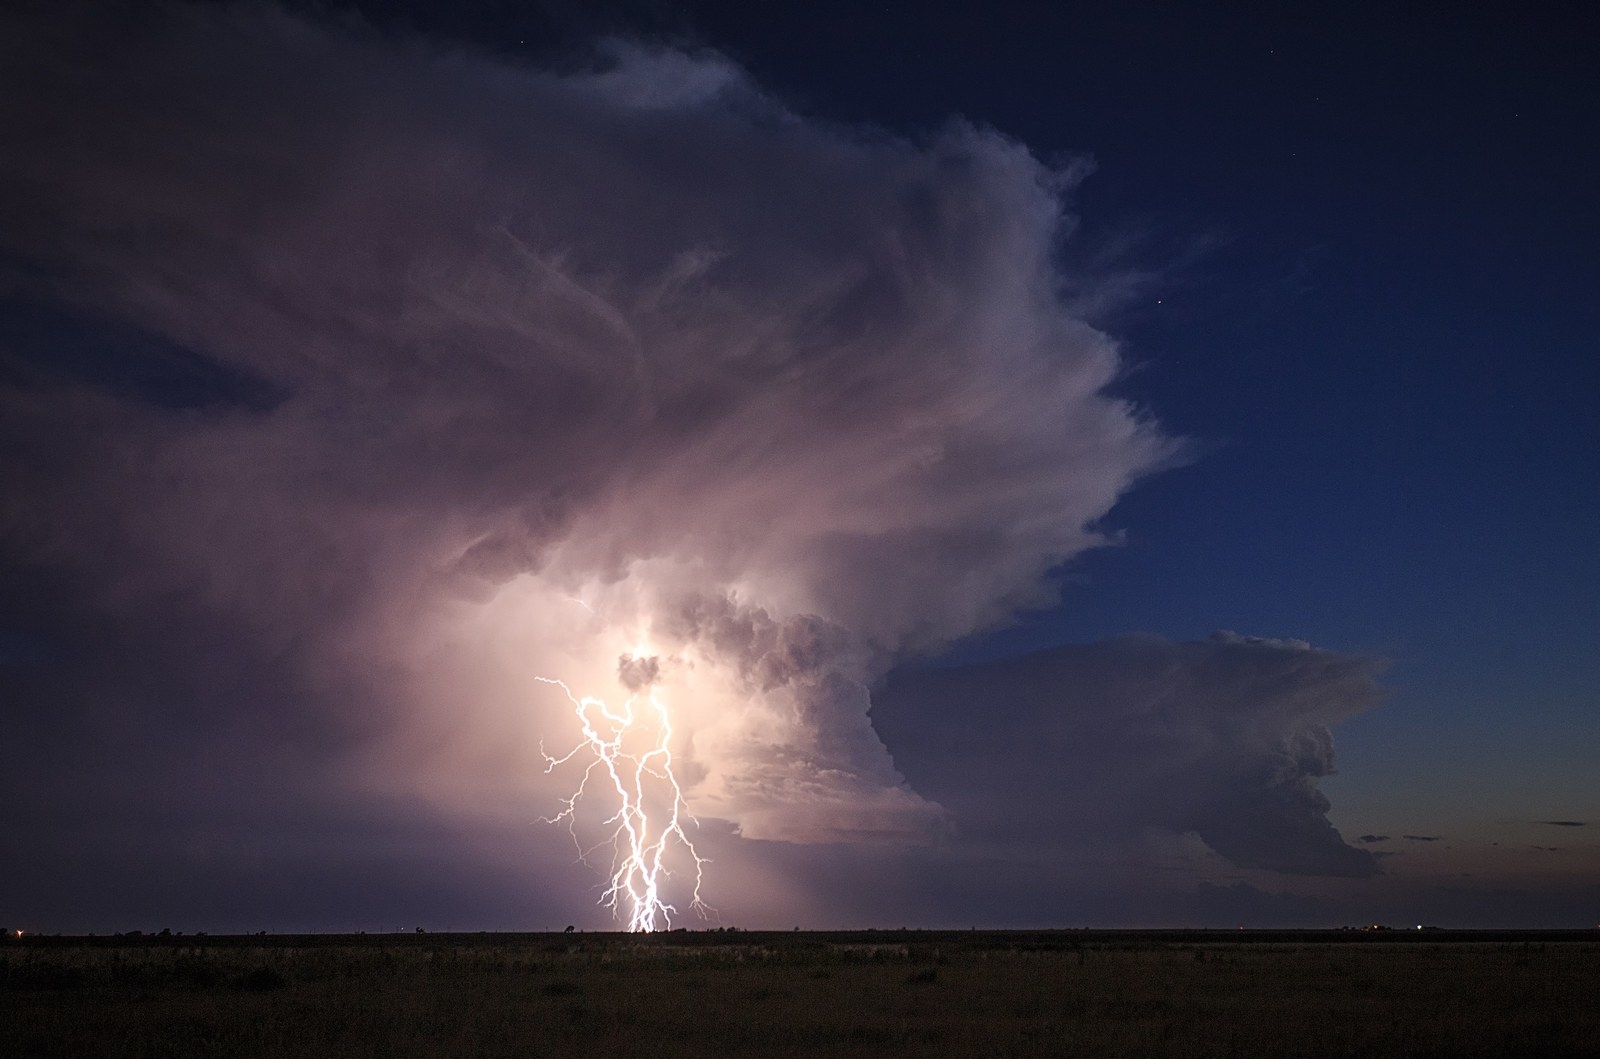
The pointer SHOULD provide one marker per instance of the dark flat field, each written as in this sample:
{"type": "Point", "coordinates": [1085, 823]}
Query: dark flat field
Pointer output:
{"type": "Point", "coordinates": [871, 993]}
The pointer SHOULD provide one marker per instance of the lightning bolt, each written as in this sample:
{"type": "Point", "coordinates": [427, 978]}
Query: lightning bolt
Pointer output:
{"type": "Point", "coordinates": [630, 749]}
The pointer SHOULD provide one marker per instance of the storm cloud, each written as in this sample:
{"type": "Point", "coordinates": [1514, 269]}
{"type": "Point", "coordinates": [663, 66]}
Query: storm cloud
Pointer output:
{"type": "Point", "coordinates": [1095, 747]}
{"type": "Point", "coordinates": [350, 382]}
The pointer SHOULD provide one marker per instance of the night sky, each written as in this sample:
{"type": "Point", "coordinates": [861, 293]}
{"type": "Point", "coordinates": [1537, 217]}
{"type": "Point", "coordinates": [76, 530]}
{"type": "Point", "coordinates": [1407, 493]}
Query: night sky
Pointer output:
{"type": "Point", "coordinates": [1063, 464]}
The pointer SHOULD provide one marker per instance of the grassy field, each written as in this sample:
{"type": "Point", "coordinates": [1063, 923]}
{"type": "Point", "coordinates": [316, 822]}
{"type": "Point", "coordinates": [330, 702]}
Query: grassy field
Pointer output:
{"type": "Point", "coordinates": [856, 994]}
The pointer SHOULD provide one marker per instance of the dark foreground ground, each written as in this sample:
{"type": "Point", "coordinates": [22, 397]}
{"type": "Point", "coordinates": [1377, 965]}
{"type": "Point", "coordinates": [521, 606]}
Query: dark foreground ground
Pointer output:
{"type": "Point", "coordinates": [873, 994]}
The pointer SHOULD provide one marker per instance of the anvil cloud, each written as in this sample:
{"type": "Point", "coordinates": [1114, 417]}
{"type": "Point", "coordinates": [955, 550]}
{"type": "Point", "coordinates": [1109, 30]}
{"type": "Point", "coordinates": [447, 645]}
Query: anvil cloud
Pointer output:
{"type": "Point", "coordinates": [360, 380]}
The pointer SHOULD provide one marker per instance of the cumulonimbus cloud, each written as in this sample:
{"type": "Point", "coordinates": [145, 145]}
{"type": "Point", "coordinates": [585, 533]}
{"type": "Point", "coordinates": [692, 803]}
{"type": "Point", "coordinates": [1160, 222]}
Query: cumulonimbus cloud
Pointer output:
{"type": "Point", "coordinates": [404, 375]}
{"type": "Point", "coordinates": [1088, 746]}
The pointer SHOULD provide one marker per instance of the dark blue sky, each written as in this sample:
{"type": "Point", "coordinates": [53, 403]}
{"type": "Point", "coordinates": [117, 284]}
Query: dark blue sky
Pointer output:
{"type": "Point", "coordinates": [1349, 254]}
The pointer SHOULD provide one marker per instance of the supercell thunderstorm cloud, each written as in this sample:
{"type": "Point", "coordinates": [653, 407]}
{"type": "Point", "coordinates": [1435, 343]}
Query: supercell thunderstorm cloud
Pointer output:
{"type": "Point", "coordinates": [407, 416]}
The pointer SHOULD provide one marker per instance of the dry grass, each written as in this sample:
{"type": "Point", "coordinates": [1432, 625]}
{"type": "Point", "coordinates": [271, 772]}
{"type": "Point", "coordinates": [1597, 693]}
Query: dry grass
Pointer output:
{"type": "Point", "coordinates": [798, 995]}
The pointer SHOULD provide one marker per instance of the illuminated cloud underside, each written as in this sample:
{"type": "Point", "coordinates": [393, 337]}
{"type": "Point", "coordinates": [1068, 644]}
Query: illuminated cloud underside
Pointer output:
{"type": "Point", "coordinates": [491, 374]}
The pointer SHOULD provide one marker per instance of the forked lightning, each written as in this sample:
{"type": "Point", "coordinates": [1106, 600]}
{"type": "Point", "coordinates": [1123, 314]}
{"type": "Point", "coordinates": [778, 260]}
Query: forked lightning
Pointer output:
{"type": "Point", "coordinates": [632, 746]}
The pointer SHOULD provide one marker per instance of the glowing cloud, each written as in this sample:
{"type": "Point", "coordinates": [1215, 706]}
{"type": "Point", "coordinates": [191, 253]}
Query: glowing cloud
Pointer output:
{"type": "Point", "coordinates": [451, 375]}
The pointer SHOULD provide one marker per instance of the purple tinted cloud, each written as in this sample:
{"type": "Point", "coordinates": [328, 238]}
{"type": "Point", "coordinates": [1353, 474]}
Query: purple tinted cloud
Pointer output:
{"type": "Point", "coordinates": [344, 402]}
